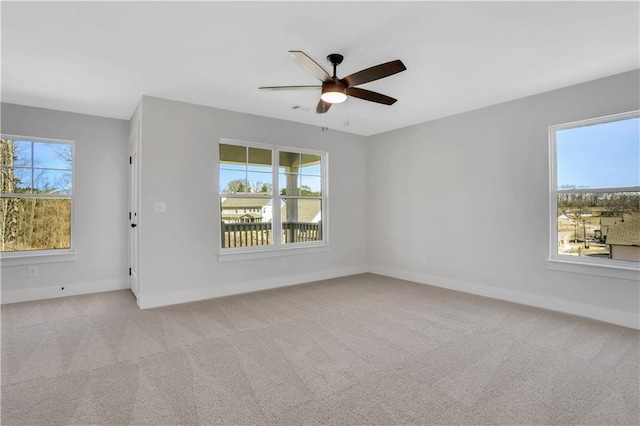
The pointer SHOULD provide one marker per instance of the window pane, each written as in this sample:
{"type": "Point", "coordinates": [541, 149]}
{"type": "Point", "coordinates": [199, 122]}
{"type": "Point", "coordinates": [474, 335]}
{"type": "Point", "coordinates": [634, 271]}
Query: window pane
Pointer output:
{"type": "Point", "coordinates": [246, 222]}
{"type": "Point", "coordinates": [289, 162]}
{"type": "Point", "coordinates": [233, 154]}
{"type": "Point", "coordinates": [22, 153]}
{"type": "Point", "coordinates": [14, 153]}
{"type": "Point", "coordinates": [52, 155]}
{"type": "Point", "coordinates": [54, 182]}
{"type": "Point", "coordinates": [599, 156]}
{"type": "Point", "coordinates": [301, 220]}
{"type": "Point", "coordinates": [288, 184]}
{"type": "Point", "coordinates": [35, 224]}
{"type": "Point", "coordinates": [259, 160]}
{"type": "Point", "coordinates": [15, 180]}
{"type": "Point", "coordinates": [233, 181]}
{"type": "Point", "coordinates": [603, 225]}
{"type": "Point", "coordinates": [311, 164]}
{"type": "Point", "coordinates": [310, 185]}
{"type": "Point", "coordinates": [259, 182]}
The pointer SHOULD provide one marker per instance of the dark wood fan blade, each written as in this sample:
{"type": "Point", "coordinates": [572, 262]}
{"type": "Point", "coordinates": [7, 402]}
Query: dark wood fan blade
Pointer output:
{"type": "Point", "coordinates": [310, 65]}
{"type": "Point", "coordinates": [289, 87]}
{"type": "Point", "coordinates": [368, 95]}
{"type": "Point", "coordinates": [374, 73]}
{"type": "Point", "coordinates": [323, 107]}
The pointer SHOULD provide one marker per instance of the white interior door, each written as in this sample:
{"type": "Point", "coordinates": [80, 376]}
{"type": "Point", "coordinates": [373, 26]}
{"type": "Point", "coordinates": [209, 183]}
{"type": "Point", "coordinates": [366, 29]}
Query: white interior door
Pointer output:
{"type": "Point", "coordinates": [134, 182]}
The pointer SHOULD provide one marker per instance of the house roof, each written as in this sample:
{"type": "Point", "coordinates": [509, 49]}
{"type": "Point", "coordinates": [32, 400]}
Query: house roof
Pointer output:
{"type": "Point", "coordinates": [308, 209]}
{"type": "Point", "coordinates": [564, 218]}
{"type": "Point", "coordinates": [233, 203]}
{"type": "Point", "coordinates": [625, 233]}
{"type": "Point", "coordinates": [609, 221]}
{"type": "Point", "coordinates": [240, 215]}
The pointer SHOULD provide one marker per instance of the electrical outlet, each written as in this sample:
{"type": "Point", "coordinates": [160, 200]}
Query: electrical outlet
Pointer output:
{"type": "Point", "coordinates": [32, 271]}
{"type": "Point", "coordinates": [423, 260]}
{"type": "Point", "coordinates": [283, 261]}
{"type": "Point", "coordinates": [159, 207]}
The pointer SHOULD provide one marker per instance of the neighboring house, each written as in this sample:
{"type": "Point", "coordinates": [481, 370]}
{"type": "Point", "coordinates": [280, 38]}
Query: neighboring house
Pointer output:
{"type": "Point", "coordinates": [565, 220]}
{"type": "Point", "coordinates": [624, 239]}
{"type": "Point", "coordinates": [250, 210]}
{"type": "Point", "coordinates": [243, 210]}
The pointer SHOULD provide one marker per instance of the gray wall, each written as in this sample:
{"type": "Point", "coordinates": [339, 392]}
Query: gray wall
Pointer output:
{"type": "Point", "coordinates": [471, 193]}
{"type": "Point", "coordinates": [179, 249]}
{"type": "Point", "coordinates": [100, 204]}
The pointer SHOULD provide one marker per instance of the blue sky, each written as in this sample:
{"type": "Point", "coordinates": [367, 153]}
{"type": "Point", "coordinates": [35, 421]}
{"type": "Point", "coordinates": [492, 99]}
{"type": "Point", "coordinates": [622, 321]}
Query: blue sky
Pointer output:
{"type": "Point", "coordinates": [45, 156]}
{"type": "Point", "coordinates": [601, 155]}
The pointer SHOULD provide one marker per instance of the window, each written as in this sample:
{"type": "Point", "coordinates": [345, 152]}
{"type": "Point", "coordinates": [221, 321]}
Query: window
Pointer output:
{"type": "Point", "coordinates": [595, 191]}
{"type": "Point", "coordinates": [271, 197]}
{"type": "Point", "coordinates": [36, 195]}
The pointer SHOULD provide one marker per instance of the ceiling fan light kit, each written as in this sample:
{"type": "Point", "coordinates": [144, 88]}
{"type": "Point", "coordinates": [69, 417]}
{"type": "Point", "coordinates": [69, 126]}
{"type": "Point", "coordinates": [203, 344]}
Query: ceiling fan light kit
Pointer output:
{"type": "Point", "coordinates": [335, 90]}
{"type": "Point", "coordinates": [334, 93]}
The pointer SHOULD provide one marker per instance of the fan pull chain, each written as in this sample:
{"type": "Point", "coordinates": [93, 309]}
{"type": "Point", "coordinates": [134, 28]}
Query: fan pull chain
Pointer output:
{"type": "Point", "coordinates": [324, 127]}
{"type": "Point", "coordinates": [346, 122]}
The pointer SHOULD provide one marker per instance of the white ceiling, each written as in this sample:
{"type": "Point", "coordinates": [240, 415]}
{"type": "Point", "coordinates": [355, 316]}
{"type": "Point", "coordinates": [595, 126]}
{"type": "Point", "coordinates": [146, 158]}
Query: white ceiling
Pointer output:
{"type": "Point", "coordinates": [100, 58]}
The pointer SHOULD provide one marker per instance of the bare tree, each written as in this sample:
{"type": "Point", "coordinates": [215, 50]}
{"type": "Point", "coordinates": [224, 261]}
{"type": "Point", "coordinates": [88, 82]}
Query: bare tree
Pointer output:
{"type": "Point", "coordinates": [9, 206]}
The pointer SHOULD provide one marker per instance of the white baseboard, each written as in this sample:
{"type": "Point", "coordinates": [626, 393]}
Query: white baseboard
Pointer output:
{"type": "Point", "coordinates": [625, 319]}
{"type": "Point", "coordinates": [29, 294]}
{"type": "Point", "coordinates": [233, 288]}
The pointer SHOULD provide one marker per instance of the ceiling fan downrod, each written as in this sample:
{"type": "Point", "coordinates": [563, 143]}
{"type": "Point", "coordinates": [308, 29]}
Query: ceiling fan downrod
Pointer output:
{"type": "Point", "coordinates": [335, 59]}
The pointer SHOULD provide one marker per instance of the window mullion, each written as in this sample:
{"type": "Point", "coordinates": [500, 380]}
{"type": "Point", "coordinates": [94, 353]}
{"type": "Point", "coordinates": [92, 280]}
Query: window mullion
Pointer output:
{"type": "Point", "coordinates": [276, 219]}
{"type": "Point", "coordinates": [33, 177]}
{"type": "Point", "coordinates": [246, 170]}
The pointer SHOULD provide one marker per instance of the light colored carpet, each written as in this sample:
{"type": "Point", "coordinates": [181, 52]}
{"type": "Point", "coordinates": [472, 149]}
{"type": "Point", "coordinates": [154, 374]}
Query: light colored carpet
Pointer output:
{"type": "Point", "coordinates": [364, 349]}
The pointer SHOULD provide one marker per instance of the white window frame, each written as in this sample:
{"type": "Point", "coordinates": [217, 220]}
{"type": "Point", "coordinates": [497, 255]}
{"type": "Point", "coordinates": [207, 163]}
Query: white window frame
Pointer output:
{"type": "Point", "coordinates": [29, 257]}
{"type": "Point", "coordinates": [277, 248]}
{"type": "Point", "coordinates": [583, 264]}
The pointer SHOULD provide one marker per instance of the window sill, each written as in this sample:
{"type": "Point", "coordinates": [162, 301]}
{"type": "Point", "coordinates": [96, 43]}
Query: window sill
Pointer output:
{"type": "Point", "coordinates": [611, 271]}
{"type": "Point", "coordinates": [272, 252]}
{"type": "Point", "coordinates": [16, 259]}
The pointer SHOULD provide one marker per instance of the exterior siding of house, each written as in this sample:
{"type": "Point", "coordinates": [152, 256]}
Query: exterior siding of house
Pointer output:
{"type": "Point", "coordinates": [630, 253]}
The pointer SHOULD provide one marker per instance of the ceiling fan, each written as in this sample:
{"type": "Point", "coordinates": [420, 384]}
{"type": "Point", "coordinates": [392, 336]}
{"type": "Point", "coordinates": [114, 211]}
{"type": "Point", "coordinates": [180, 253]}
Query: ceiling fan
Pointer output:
{"type": "Point", "coordinates": [336, 90]}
